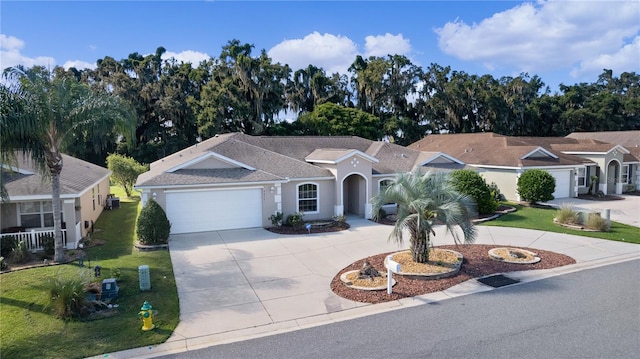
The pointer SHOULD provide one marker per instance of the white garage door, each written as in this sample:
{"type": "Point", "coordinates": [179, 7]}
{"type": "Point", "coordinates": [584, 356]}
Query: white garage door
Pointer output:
{"type": "Point", "coordinates": [199, 211]}
{"type": "Point", "coordinates": [563, 183]}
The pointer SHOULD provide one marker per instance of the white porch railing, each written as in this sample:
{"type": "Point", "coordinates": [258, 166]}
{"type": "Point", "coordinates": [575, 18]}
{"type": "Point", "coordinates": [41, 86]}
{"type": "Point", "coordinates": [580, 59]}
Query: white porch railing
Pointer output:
{"type": "Point", "coordinates": [34, 238]}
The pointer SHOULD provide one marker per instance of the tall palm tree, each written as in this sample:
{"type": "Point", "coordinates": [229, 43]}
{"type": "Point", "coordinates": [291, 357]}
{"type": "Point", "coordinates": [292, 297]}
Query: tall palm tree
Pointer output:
{"type": "Point", "coordinates": [41, 115]}
{"type": "Point", "coordinates": [423, 201]}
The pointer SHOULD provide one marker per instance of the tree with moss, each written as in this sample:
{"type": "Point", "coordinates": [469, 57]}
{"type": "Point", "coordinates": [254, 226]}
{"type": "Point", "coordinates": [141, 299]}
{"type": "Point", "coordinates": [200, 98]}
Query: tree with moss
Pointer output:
{"type": "Point", "coordinates": [471, 183]}
{"type": "Point", "coordinates": [153, 226]}
{"type": "Point", "coordinates": [536, 185]}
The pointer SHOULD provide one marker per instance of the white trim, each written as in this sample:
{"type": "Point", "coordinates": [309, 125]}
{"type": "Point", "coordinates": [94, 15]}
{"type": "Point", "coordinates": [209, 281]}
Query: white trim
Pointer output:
{"type": "Point", "coordinates": [616, 147]}
{"type": "Point", "coordinates": [344, 157]}
{"type": "Point", "coordinates": [211, 189]}
{"type": "Point", "coordinates": [367, 199]}
{"type": "Point", "coordinates": [539, 149]}
{"type": "Point", "coordinates": [17, 169]}
{"type": "Point", "coordinates": [317, 197]}
{"type": "Point", "coordinates": [207, 156]}
{"type": "Point", "coordinates": [441, 154]}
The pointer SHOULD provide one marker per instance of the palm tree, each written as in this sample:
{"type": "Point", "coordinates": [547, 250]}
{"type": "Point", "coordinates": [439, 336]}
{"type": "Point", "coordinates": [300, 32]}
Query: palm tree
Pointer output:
{"type": "Point", "coordinates": [40, 117]}
{"type": "Point", "coordinates": [423, 201]}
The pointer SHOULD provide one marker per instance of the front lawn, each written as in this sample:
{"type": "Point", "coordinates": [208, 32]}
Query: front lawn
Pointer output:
{"type": "Point", "coordinates": [542, 219]}
{"type": "Point", "coordinates": [29, 330]}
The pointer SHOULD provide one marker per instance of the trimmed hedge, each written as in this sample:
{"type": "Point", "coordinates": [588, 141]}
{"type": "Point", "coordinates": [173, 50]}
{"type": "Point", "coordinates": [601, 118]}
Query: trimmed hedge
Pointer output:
{"type": "Point", "coordinates": [536, 186]}
{"type": "Point", "coordinates": [153, 226]}
{"type": "Point", "coordinates": [472, 184]}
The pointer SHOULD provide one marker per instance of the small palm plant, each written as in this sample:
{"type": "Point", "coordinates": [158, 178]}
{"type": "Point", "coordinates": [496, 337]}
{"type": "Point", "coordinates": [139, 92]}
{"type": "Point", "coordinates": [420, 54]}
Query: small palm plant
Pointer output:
{"type": "Point", "coordinates": [425, 200]}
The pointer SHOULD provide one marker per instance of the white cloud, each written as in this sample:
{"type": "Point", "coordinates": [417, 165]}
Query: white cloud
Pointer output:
{"type": "Point", "coordinates": [330, 52]}
{"type": "Point", "coordinates": [79, 65]}
{"type": "Point", "coordinates": [627, 59]}
{"type": "Point", "coordinates": [387, 44]}
{"type": "Point", "coordinates": [335, 53]}
{"type": "Point", "coordinates": [10, 54]}
{"type": "Point", "coordinates": [548, 36]}
{"type": "Point", "coordinates": [189, 56]}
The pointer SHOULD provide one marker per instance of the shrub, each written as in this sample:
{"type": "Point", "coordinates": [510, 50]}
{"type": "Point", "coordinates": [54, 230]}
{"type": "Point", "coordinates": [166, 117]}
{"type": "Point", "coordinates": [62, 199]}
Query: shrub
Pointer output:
{"type": "Point", "coordinates": [536, 186]}
{"type": "Point", "coordinates": [49, 245]}
{"type": "Point", "coordinates": [340, 219]}
{"type": "Point", "coordinates": [3, 264]}
{"type": "Point", "coordinates": [66, 297]}
{"type": "Point", "coordinates": [276, 219]}
{"type": "Point", "coordinates": [7, 245]}
{"type": "Point", "coordinates": [295, 220]}
{"type": "Point", "coordinates": [382, 214]}
{"type": "Point", "coordinates": [116, 273]}
{"type": "Point", "coordinates": [567, 215]}
{"type": "Point", "coordinates": [21, 252]}
{"type": "Point", "coordinates": [495, 192]}
{"type": "Point", "coordinates": [472, 184]}
{"type": "Point", "coordinates": [153, 227]}
{"type": "Point", "coordinates": [594, 221]}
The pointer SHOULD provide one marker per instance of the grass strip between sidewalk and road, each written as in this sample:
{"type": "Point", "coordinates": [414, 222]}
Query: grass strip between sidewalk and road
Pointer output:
{"type": "Point", "coordinates": [29, 330]}
{"type": "Point", "coordinates": [542, 219]}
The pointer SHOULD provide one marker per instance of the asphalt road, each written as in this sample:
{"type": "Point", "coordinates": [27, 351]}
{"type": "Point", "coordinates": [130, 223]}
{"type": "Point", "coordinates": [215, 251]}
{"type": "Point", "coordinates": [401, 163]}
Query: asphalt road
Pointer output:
{"type": "Point", "coordinates": [593, 313]}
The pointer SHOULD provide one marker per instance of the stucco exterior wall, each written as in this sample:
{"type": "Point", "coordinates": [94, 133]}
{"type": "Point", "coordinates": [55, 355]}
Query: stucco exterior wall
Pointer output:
{"type": "Point", "coordinates": [505, 179]}
{"type": "Point", "coordinates": [89, 212]}
{"type": "Point", "coordinates": [326, 193]}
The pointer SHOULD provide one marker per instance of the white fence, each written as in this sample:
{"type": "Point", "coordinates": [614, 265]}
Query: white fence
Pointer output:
{"type": "Point", "coordinates": [34, 238]}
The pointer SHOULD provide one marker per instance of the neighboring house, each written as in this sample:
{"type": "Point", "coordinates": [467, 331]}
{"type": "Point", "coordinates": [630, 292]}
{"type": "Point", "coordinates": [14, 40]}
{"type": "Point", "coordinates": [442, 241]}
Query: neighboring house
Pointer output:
{"type": "Point", "coordinates": [572, 161]}
{"type": "Point", "coordinates": [239, 181]}
{"type": "Point", "coordinates": [623, 175]}
{"type": "Point", "coordinates": [29, 214]}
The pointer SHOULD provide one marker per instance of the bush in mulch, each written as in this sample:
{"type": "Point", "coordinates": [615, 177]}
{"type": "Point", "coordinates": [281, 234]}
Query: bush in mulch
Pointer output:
{"type": "Point", "coordinates": [477, 263]}
{"type": "Point", "coordinates": [334, 226]}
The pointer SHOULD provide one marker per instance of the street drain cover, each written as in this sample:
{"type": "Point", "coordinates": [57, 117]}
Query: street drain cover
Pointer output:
{"type": "Point", "coordinates": [497, 281]}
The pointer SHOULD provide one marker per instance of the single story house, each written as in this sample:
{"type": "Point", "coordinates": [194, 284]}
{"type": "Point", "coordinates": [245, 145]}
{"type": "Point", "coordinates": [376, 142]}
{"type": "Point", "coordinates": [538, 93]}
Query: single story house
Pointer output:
{"type": "Point", "coordinates": [28, 213]}
{"type": "Point", "coordinates": [238, 181]}
{"type": "Point", "coordinates": [571, 160]}
{"type": "Point", "coordinates": [625, 174]}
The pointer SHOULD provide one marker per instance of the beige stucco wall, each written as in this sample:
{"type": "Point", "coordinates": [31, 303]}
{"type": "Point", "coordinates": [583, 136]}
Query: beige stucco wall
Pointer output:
{"type": "Point", "coordinates": [87, 211]}
{"type": "Point", "coordinates": [505, 179]}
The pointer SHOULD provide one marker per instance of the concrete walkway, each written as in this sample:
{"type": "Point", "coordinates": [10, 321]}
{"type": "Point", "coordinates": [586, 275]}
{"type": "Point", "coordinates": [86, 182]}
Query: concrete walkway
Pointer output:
{"type": "Point", "coordinates": [239, 284]}
{"type": "Point", "coordinates": [625, 211]}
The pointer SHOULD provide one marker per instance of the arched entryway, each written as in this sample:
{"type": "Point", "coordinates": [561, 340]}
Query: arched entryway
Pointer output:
{"type": "Point", "coordinates": [354, 194]}
{"type": "Point", "coordinates": [613, 176]}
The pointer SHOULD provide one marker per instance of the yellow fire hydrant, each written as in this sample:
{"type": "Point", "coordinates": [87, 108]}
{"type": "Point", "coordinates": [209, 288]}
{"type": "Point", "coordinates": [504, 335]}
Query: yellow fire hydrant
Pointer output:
{"type": "Point", "coordinates": [146, 314]}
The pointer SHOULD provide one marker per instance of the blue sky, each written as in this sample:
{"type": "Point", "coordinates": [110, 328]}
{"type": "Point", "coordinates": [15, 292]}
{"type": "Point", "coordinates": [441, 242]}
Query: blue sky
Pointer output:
{"type": "Point", "coordinates": [560, 41]}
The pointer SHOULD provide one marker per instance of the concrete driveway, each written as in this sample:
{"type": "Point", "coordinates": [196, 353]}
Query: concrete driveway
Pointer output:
{"type": "Point", "coordinates": [239, 284]}
{"type": "Point", "coordinates": [625, 211]}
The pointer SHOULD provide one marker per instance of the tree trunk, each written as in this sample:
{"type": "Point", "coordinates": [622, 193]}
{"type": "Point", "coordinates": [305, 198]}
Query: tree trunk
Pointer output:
{"type": "Point", "coordinates": [420, 247]}
{"type": "Point", "coordinates": [54, 162]}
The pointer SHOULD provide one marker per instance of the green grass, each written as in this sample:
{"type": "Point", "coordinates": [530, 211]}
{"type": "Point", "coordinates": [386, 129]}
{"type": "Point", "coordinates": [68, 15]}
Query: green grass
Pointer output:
{"type": "Point", "coordinates": [542, 219]}
{"type": "Point", "coordinates": [29, 330]}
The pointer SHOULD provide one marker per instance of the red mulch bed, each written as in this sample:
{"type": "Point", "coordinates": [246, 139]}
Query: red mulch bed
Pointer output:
{"type": "Point", "coordinates": [334, 227]}
{"type": "Point", "coordinates": [476, 264]}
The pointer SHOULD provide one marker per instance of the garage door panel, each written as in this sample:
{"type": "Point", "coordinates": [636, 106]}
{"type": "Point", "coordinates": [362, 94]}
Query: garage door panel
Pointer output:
{"type": "Point", "coordinates": [563, 184]}
{"type": "Point", "coordinates": [198, 211]}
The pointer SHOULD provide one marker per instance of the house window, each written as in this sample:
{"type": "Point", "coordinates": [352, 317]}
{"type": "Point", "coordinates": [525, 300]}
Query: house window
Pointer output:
{"type": "Point", "coordinates": [626, 175]}
{"type": "Point", "coordinates": [93, 198]}
{"type": "Point", "coordinates": [308, 198]}
{"type": "Point", "coordinates": [36, 214]}
{"type": "Point", "coordinates": [582, 177]}
{"type": "Point", "coordinates": [383, 185]}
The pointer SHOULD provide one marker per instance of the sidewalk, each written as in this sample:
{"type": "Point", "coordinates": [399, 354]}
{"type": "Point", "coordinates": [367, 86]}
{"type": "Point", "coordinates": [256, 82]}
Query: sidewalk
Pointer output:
{"type": "Point", "coordinates": [241, 284]}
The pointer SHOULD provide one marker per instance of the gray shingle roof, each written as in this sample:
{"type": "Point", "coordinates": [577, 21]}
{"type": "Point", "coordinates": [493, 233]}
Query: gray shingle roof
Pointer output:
{"type": "Point", "coordinates": [76, 177]}
{"type": "Point", "coordinates": [275, 158]}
